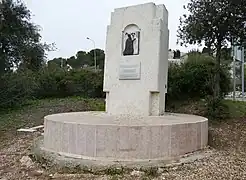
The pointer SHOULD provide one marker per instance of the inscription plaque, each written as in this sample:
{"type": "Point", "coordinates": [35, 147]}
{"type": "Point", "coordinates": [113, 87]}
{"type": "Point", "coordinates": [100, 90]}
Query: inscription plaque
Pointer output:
{"type": "Point", "coordinates": [129, 71]}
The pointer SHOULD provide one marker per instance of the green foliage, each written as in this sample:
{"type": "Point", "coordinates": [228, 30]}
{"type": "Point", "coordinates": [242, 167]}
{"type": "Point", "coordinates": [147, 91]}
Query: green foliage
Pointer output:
{"type": "Point", "coordinates": [215, 23]}
{"type": "Point", "coordinates": [57, 62]}
{"type": "Point", "coordinates": [81, 59]}
{"type": "Point", "coordinates": [19, 38]}
{"type": "Point", "coordinates": [226, 57]}
{"type": "Point", "coordinates": [19, 87]}
{"type": "Point", "coordinates": [100, 56]}
{"type": "Point", "coordinates": [61, 83]}
{"type": "Point", "coordinates": [216, 109]}
{"type": "Point", "coordinates": [32, 114]}
{"type": "Point", "coordinates": [194, 78]}
{"type": "Point", "coordinates": [190, 80]}
{"type": "Point", "coordinates": [16, 88]}
{"type": "Point", "coordinates": [237, 109]}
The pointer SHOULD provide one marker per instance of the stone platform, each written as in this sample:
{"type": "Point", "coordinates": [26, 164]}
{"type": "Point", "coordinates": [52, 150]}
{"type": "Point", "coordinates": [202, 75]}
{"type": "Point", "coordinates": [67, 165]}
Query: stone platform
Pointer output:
{"type": "Point", "coordinates": [97, 136]}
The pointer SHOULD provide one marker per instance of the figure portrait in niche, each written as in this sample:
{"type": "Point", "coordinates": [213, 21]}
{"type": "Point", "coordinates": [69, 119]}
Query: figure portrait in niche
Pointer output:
{"type": "Point", "coordinates": [131, 43]}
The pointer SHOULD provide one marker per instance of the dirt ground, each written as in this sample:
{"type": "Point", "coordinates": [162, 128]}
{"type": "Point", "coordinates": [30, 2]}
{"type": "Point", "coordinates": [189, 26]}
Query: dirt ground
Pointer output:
{"type": "Point", "coordinates": [227, 163]}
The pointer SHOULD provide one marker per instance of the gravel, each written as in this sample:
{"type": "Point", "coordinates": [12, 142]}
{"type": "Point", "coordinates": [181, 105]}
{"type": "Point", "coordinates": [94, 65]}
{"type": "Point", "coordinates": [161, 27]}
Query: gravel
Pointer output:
{"type": "Point", "coordinates": [227, 163]}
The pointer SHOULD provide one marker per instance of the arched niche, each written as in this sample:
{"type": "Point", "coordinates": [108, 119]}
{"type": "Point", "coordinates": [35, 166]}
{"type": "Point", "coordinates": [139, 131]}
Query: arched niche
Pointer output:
{"type": "Point", "coordinates": [130, 40]}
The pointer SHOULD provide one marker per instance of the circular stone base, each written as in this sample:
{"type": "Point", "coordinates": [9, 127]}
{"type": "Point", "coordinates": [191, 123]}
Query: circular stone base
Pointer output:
{"type": "Point", "coordinates": [55, 161]}
{"type": "Point", "coordinates": [97, 136]}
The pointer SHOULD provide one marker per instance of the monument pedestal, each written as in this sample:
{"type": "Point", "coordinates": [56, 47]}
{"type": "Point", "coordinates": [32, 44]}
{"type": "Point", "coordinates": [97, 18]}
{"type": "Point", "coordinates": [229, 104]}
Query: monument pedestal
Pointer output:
{"type": "Point", "coordinates": [97, 136]}
{"type": "Point", "coordinates": [133, 129]}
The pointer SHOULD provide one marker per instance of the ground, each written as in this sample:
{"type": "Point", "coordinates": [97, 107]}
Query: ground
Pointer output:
{"type": "Point", "coordinates": [227, 140]}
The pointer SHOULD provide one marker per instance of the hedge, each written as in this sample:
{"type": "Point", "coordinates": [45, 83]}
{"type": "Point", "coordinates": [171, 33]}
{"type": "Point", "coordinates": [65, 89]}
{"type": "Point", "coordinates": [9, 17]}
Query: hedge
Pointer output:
{"type": "Point", "coordinates": [190, 80]}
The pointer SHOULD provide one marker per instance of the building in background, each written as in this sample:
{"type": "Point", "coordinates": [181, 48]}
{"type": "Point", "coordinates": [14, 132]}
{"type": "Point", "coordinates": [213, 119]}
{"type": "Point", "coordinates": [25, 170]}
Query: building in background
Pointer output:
{"type": "Point", "coordinates": [175, 56]}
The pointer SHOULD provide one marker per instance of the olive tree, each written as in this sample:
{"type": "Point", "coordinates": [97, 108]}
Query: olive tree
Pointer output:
{"type": "Point", "coordinates": [215, 23]}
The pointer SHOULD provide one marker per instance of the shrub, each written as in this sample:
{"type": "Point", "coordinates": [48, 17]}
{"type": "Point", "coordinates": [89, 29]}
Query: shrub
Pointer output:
{"type": "Point", "coordinates": [60, 83]}
{"type": "Point", "coordinates": [190, 80]}
{"type": "Point", "coordinates": [194, 78]}
{"type": "Point", "coordinates": [50, 83]}
{"type": "Point", "coordinates": [217, 109]}
{"type": "Point", "coordinates": [16, 88]}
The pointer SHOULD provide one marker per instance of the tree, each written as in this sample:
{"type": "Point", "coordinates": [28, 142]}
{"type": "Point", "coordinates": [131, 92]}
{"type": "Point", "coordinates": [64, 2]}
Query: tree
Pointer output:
{"type": "Point", "coordinates": [194, 52]}
{"type": "Point", "coordinates": [58, 62]}
{"type": "Point", "coordinates": [34, 56]}
{"type": "Point", "coordinates": [216, 23]}
{"type": "Point", "coordinates": [72, 62]}
{"type": "Point", "coordinates": [226, 57]}
{"type": "Point", "coordinates": [83, 59]}
{"type": "Point", "coordinates": [19, 38]}
{"type": "Point", "coordinates": [100, 57]}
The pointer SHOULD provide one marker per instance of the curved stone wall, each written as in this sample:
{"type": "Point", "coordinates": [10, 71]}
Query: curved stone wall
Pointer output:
{"type": "Point", "coordinates": [98, 136]}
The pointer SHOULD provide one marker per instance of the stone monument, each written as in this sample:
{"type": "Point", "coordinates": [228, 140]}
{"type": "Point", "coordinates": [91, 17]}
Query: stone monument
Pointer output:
{"type": "Point", "coordinates": [136, 64]}
{"type": "Point", "coordinates": [135, 127]}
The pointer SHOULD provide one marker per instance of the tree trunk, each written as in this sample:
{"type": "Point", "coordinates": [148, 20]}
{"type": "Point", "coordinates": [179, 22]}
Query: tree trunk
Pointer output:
{"type": "Point", "coordinates": [217, 72]}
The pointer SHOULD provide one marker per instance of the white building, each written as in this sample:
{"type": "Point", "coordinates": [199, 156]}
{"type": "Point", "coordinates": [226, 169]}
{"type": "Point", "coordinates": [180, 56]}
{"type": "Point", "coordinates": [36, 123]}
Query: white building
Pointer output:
{"type": "Point", "coordinates": [183, 57]}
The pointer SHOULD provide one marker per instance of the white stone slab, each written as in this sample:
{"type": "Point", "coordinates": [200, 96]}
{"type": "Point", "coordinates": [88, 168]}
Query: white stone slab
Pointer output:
{"type": "Point", "coordinates": [26, 130]}
{"type": "Point", "coordinates": [37, 127]}
{"type": "Point", "coordinates": [136, 60]}
{"type": "Point", "coordinates": [130, 71]}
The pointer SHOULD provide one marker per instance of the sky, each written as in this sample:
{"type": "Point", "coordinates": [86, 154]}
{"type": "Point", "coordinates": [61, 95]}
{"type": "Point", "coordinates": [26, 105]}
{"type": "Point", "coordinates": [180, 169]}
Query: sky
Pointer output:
{"type": "Point", "coordinates": [67, 23]}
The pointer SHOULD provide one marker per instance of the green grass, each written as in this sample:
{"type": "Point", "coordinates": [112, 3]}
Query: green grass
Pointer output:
{"type": "Point", "coordinates": [33, 113]}
{"type": "Point", "coordinates": [237, 109]}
